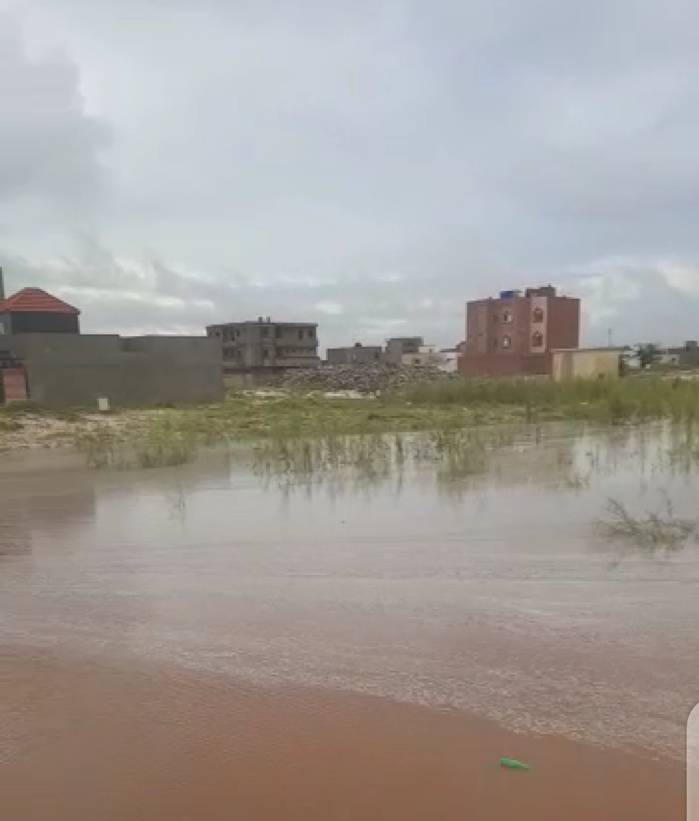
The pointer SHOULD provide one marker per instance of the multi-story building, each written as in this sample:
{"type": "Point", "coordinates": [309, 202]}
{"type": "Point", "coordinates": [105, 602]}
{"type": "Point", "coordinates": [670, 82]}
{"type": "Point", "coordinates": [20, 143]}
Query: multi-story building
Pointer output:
{"type": "Point", "coordinates": [264, 344]}
{"type": "Point", "coordinates": [516, 333]}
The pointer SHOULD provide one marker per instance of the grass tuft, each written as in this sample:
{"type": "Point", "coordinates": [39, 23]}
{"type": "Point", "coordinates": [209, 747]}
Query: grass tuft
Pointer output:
{"type": "Point", "coordinates": [651, 533]}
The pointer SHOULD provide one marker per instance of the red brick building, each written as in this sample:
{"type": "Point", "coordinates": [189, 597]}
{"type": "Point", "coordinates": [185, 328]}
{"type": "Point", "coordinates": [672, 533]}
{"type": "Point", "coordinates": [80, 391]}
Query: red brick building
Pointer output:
{"type": "Point", "coordinates": [515, 334]}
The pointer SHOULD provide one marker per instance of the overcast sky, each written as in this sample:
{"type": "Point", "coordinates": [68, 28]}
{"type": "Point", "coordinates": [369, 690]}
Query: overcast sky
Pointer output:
{"type": "Point", "coordinates": [367, 165]}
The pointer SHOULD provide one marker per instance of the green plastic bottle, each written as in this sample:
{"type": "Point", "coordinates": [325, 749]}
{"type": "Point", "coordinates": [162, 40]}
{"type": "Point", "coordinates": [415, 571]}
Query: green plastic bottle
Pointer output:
{"type": "Point", "coordinates": [513, 764]}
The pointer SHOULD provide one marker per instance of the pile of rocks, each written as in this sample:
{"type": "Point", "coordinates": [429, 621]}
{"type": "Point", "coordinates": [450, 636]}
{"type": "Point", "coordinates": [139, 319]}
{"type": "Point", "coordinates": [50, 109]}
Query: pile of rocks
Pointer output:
{"type": "Point", "coordinates": [364, 379]}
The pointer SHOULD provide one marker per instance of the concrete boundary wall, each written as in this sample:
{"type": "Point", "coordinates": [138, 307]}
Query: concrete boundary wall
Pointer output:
{"type": "Point", "coordinates": [505, 364]}
{"type": "Point", "coordinates": [76, 370]}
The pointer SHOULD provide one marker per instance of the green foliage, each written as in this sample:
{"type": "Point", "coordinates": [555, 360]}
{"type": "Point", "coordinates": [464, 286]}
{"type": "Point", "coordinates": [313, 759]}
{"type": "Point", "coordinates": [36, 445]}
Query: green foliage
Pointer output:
{"type": "Point", "coordinates": [446, 408]}
{"type": "Point", "coordinates": [612, 401]}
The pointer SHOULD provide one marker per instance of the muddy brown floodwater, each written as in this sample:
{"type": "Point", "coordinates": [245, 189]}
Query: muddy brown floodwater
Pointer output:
{"type": "Point", "coordinates": [204, 643]}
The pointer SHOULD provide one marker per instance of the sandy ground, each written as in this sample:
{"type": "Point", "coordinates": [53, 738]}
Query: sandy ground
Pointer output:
{"type": "Point", "coordinates": [44, 431]}
{"type": "Point", "coordinates": [146, 744]}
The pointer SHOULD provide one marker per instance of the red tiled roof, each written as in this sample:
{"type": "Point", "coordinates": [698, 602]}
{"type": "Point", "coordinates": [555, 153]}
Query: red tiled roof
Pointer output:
{"type": "Point", "coordinates": [36, 300]}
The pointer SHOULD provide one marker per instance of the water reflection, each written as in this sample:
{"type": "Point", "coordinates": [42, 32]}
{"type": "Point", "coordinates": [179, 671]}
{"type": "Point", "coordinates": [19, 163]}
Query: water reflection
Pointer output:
{"type": "Point", "coordinates": [36, 507]}
{"type": "Point", "coordinates": [459, 571]}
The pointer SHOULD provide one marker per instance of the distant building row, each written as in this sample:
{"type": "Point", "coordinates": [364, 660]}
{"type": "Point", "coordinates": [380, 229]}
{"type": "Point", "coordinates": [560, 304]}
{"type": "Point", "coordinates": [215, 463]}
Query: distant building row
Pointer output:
{"type": "Point", "coordinates": [409, 351]}
{"type": "Point", "coordinates": [43, 355]}
{"type": "Point", "coordinates": [265, 345]}
{"type": "Point", "coordinates": [513, 335]}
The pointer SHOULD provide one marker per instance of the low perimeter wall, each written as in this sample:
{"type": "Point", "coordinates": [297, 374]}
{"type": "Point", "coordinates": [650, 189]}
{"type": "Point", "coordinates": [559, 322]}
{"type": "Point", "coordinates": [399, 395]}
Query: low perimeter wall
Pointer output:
{"type": "Point", "coordinates": [505, 364]}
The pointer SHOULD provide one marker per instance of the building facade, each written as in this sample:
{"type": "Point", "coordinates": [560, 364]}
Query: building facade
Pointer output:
{"type": "Point", "coordinates": [515, 334]}
{"type": "Point", "coordinates": [34, 311]}
{"type": "Point", "coordinates": [586, 363]}
{"type": "Point", "coordinates": [399, 346]}
{"type": "Point", "coordinates": [425, 356]}
{"type": "Point", "coordinates": [264, 344]}
{"type": "Point", "coordinates": [356, 354]}
{"type": "Point", "coordinates": [685, 357]}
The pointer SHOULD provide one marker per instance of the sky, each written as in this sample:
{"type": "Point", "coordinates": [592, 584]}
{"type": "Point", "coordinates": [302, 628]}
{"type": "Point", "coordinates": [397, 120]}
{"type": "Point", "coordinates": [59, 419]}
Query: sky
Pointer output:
{"type": "Point", "coordinates": [370, 166]}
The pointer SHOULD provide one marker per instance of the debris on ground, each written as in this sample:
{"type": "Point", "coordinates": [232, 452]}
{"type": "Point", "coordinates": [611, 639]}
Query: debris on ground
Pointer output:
{"type": "Point", "coordinates": [360, 379]}
{"type": "Point", "coordinates": [513, 764]}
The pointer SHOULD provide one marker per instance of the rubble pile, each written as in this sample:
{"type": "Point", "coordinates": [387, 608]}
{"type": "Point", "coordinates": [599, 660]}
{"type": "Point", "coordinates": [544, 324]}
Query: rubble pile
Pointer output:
{"type": "Point", "coordinates": [364, 379]}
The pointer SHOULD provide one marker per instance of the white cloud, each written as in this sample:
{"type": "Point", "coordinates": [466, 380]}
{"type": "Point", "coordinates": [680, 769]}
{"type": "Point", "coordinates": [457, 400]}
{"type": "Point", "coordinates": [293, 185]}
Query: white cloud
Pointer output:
{"type": "Point", "coordinates": [682, 277]}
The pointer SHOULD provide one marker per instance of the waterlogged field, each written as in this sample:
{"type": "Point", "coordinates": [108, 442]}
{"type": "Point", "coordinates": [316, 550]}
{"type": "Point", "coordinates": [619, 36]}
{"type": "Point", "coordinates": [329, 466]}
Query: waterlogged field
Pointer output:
{"type": "Point", "coordinates": [543, 576]}
{"type": "Point", "coordinates": [173, 436]}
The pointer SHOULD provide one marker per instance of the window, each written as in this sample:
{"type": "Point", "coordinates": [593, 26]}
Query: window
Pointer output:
{"type": "Point", "coordinates": [537, 315]}
{"type": "Point", "coordinates": [278, 332]}
{"type": "Point", "coordinates": [265, 333]}
{"type": "Point", "coordinates": [507, 317]}
{"type": "Point", "coordinates": [311, 333]}
{"type": "Point", "coordinates": [506, 341]}
{"type": "Point", "coordinates": [300, 334]}
{"type": "Point", "coordinates": [537, 339]}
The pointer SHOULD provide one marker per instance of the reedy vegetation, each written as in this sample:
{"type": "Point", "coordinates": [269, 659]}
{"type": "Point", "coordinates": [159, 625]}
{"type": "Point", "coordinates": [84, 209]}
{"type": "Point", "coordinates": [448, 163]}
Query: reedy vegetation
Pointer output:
{"type": "Point", "coordinates": [174, 435]}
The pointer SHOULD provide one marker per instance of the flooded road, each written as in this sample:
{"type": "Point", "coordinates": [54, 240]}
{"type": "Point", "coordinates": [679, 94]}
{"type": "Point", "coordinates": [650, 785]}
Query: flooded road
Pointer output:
{"type": "Point", "coordinates": [492, 594]}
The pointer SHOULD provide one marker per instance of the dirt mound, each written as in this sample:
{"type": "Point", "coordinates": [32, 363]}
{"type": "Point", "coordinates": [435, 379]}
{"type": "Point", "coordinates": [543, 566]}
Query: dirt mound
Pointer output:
{"type": "Point", "coordinates": [365, 379]}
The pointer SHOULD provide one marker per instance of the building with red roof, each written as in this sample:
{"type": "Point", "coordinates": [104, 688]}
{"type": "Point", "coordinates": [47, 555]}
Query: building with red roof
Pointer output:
{"type": "Point", "coordinates": [45, 359]}
{"type": "Point", "coordinates": [34, 311]}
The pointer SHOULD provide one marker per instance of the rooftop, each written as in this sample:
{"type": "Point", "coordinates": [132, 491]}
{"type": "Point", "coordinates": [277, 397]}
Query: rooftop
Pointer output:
{"type": "Point", "coordinates": [614, 349]}
{"type": "Point", "coordinates": [265, 321]}
{"type": "Point", "coordinates": [35, 300]}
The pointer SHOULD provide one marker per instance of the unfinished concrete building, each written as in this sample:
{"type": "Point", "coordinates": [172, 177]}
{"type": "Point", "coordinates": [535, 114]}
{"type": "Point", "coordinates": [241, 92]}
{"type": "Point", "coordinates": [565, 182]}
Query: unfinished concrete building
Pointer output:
{"type": "Point", "coordinates": [264, 345]}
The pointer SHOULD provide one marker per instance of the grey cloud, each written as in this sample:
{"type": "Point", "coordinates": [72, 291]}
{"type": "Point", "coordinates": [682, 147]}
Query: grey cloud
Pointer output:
{"type": "Point", "coordinates": [49, 146]}
{"type": "Point", "coordinates": [273, 156]}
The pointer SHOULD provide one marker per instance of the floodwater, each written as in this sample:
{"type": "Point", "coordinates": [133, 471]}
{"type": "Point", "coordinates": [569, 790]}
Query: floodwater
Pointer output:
{"type": "Point", "coordinates": [491, 600]}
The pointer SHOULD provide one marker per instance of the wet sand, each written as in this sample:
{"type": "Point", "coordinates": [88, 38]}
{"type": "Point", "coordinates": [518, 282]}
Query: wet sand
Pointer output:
{"type": "Point", "coordinates": [104, 741]}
